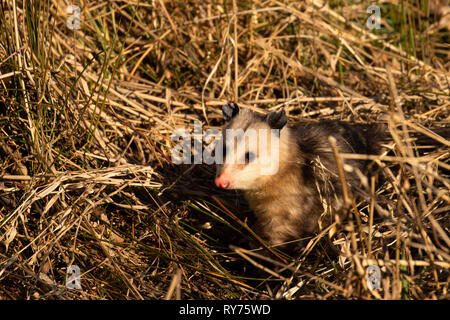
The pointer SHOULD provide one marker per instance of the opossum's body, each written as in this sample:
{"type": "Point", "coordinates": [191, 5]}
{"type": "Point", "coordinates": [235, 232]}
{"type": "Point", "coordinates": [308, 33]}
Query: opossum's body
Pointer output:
{"type": "Point", "coordinates": [288, 203]}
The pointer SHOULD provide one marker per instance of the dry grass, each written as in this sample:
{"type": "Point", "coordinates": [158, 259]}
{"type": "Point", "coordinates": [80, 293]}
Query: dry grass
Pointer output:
{"type": "Point", "coordinates": [85, 124]}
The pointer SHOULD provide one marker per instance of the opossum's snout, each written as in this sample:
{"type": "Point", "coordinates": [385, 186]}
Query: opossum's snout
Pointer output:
{"type": "Point", "coordinates": [223, 181]}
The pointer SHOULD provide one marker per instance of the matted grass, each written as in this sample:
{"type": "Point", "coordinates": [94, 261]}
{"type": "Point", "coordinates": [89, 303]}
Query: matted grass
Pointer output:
{"type": "Point", "coordinates": [86, 118]}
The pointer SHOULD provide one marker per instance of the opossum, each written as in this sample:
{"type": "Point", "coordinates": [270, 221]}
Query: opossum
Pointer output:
{"type": "Point", "coordinates": [288, 202]}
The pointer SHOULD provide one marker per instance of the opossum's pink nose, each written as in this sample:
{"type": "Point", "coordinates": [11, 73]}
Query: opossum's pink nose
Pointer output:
{"type": "Point", "coordinates": [222, 181]}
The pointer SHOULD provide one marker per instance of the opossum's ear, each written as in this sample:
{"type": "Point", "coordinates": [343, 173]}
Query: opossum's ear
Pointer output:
{"type": "Point", "coordinates": [277, 120]}
{"type": "Point", "coordinates": [229, 110]}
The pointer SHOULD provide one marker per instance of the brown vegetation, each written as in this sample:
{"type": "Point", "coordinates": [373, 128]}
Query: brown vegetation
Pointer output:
{"type": "Point", "coordinates": [86, 118]}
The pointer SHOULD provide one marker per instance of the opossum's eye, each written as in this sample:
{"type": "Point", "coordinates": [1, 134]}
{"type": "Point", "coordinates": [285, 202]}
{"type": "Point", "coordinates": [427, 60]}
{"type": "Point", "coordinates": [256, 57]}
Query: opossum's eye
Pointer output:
{"type": "Point", "coordinates": [249, 157]}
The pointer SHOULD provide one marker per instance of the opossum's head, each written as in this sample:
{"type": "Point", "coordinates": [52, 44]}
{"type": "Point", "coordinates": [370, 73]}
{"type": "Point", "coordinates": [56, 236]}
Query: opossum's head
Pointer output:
{"type": "Point", "coordinates": [251, 147]}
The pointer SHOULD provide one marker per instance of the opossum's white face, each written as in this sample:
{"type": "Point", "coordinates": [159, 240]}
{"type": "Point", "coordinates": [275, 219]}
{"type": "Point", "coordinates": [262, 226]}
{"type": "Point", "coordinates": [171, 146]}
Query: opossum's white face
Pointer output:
{"type": "Point", "coordinates": [250, 148]}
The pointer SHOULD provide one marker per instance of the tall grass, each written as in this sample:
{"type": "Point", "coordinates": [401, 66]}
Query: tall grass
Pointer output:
{"type": "Point", "coordinates": [86, 117]}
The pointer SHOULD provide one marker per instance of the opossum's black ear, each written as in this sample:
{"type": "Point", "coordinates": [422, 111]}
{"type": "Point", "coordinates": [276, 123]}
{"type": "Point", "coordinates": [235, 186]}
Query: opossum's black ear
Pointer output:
{"type": "Point", "coordinates": [277, 120]}
{"type": "Point", "coordinates": [229, 110]}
